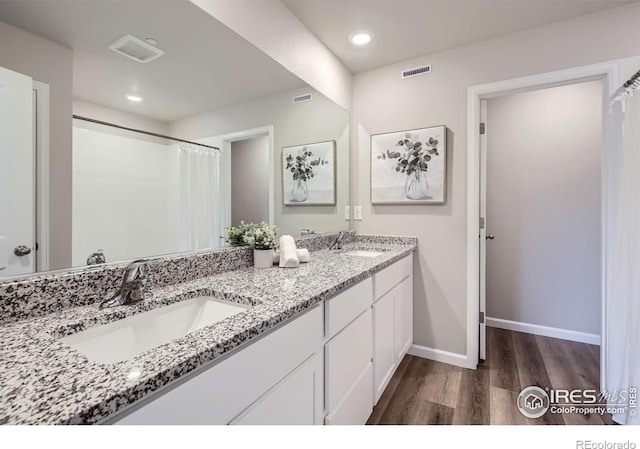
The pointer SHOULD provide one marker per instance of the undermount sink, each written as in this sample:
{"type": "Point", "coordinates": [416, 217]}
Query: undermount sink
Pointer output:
{"type": "Point", "coordinates": [364, 253]}
{"type": "Point", "coordinates": [124, 339]}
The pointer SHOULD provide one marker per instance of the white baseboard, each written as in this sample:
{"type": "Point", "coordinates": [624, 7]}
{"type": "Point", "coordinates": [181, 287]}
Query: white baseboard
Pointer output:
{"type": "Point", "coordinates": [439, 355]}
{"type": "Point", "coordinates": [545, 331]}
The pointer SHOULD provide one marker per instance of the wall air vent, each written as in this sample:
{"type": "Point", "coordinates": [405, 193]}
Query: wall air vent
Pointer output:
{"type": "Point", "coordinates": [302, 98]}
{"type": "Point", "coordinates": [136, 49]}
{"type": "Point", "coordinates": [410, 73]}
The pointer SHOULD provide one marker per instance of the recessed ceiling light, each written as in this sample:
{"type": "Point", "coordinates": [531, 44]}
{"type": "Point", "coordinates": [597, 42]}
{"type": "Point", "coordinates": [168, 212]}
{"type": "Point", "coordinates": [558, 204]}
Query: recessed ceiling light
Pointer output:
{"type": "Point", "coordinates": [151, 41]}
{"type": "Point", "coordinates": [134, 98]}
{"type": "Point", "coordinates": [360, 38]}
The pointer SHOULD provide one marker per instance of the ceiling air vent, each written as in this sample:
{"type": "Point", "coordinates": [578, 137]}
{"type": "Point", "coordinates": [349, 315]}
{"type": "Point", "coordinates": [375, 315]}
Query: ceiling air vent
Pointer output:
{"type": "Point", "coordinates": [302, 98]}
{"type": "Point", "coordinates": [136, 49]}
{"type": "Point", "coordinates": [410, 73]}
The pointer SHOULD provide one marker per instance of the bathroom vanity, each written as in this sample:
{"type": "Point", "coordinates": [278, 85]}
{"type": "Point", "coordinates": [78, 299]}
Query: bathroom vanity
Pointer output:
{"type": "Point", "coordinates": [313, 345]}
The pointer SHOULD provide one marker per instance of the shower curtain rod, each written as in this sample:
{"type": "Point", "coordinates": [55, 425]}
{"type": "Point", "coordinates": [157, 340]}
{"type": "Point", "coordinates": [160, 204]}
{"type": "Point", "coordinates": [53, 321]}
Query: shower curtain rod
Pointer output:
{"type": "Point", "coordinates": [631, 85]}
{"type": "Point", "coordinates": [633, 81]}
{"type": "Point", "coordinates": [126, 128]}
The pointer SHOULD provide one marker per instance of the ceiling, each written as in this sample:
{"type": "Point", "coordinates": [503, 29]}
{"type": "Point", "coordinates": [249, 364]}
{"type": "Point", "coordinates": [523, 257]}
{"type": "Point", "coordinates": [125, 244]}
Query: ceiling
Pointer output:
{"type": "Point", "coordinates": [405, 29]}
{"type": "Point", "coordinates": [206, 66]}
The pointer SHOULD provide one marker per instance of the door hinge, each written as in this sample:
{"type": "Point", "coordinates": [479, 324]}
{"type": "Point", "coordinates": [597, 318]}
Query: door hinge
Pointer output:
{"type": "Point", "coordinates": [481, 223]}
{"type": "Point", "coordinates": [481, 317]}
{"type": "Point", "coordinates": [483, 127]}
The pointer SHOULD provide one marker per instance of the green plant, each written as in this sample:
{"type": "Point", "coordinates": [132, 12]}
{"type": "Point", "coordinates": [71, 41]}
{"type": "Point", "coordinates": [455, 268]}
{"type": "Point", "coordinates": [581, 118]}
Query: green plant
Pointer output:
{"type": "Point", "coordinates": [235, 235]}
{"type": "Point", "coordinates": [300, 167]}
{"type": "Point", "coordinates": [414, 156]}
{"type": "Point", "coordinates": [260, 236]}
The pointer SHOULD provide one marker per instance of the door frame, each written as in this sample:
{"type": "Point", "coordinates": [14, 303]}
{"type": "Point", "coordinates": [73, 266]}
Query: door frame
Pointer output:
{"type": "Point", "coordinates": [42, 175]}
{"type": "Point", "coordinates": [246, 134]}
{"type": "Point", "coordinates": [609, 73]}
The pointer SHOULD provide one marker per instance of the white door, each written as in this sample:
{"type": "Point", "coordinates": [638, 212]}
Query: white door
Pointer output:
{"type": "Point", "coordinates": [17, 175]}
{"type": "Point", "coordinates": [483, 229]}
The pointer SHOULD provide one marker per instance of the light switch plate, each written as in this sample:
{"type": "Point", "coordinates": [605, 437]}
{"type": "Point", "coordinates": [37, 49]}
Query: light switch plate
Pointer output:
{"type": "Point", "coordinates": [357, 212]}
{"type": "Point", "coordinates": [347, 212]}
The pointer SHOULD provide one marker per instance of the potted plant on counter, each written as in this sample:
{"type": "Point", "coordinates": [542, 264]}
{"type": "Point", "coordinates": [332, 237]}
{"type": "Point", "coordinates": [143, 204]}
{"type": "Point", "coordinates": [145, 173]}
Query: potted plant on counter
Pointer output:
{"type": "Point", "coordinates": [235, 234]}
{"type": "Point", "coordinates": [262, 238]}
{"type": "Point", "coordinates": [259, 237]}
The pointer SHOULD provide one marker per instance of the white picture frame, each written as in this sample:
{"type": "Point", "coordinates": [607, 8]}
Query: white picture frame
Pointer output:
{"type": "Point", "coordinates": [313, 165]}
{"type": "Point", "coordinates": [409, 167]}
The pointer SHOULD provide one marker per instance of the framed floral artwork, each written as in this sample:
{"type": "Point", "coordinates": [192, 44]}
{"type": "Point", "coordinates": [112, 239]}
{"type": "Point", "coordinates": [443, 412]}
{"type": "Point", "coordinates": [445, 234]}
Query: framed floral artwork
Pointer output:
{"type": "Point", "coordinates": [309, 174]}
{"type": "Point", "coordinates": [409, 167]}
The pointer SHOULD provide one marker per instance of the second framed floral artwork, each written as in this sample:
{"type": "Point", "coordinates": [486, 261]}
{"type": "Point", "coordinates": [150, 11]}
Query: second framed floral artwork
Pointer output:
{"type": "Point", "coordinates": [309, 174]}
{"type": "Point", "coordinates": [409, 167]}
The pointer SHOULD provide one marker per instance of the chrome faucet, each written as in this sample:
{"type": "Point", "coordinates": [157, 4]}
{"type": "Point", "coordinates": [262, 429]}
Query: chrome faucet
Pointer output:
{"type": "Point", "coordinates": [134, 286]}
{"type": "Point", "coordinates": [96, 258]}
{"type": "Point", "coordinates": [337, 243]}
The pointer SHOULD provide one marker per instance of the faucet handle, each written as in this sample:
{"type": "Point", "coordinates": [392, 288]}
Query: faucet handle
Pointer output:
{"type": "Point", "coordinates": [133, 269]}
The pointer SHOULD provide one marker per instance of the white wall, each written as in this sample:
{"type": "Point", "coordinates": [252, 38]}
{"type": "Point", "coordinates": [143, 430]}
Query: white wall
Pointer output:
{"type": "Point", "coordinates": [543, 205]}
{"type": "Point", "coordinates": [384, 103]}
{"type": "Point", "coordinates": [250, 180]}
{"type": "Point", "coordinates": [125, 197]}
{"type": "Point", "coordinates": [271, 27]}
{"type": "Point", "coordinates": [313, 121]}
{"type": "Point", "coordinates": [50, 63]}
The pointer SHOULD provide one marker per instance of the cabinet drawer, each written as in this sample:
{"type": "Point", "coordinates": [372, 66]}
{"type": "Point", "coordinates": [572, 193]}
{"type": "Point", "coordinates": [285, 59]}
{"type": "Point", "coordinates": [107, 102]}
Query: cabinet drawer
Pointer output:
{"type": "Point", "coordinates": [357, 405]}
{"type": "Point", "coordinates": [345, 307]}
{"type": "Point", "coordinates": [217, 394]}
{"type": "Point", "coordinates": [389, 277]}
{"type": "Point", "coordinates": [346, 356]}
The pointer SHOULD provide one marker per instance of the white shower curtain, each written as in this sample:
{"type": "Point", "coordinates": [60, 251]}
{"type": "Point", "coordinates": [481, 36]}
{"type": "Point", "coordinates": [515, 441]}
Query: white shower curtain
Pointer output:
{"type": "Point", "coordinates": [200, 221]}
{"type": "Point", "coordinates": [623, 344]}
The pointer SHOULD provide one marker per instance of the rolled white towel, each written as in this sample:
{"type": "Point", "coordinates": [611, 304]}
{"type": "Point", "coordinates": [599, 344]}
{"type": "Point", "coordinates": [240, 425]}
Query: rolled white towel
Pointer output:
{"type": "Point", "coordinates": [303, 256]}
{"type": "Point", "coordinates": [288, 252]}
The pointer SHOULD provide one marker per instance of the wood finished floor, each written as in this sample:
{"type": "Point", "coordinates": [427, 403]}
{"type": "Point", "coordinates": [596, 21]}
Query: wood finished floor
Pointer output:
{"type": "Point", "coordinates": [427, 392]}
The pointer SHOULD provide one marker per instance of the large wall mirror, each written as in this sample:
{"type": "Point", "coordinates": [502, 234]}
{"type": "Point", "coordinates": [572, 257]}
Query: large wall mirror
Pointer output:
{"type": "Point", "coordinates": [78, 191]}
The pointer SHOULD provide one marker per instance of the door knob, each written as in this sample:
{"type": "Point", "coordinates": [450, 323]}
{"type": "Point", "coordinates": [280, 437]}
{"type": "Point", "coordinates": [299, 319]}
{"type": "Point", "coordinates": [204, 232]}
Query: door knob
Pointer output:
{"type": "Point", "coordinates": [21, 250]}
{"type": "Point", "coordinates": [490, 236]}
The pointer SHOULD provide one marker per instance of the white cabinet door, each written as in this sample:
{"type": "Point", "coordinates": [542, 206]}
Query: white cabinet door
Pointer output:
{"type": "Point", "coordinates": [297, 399]}
{"type": "Point", "coordinates": [403, 318]}
{"type": "Point", "coordinates": [346, 356]}
{"type": "Point", "coordinates": [357, 405]}
{"type": "Point", "coordinates": [383, 348]}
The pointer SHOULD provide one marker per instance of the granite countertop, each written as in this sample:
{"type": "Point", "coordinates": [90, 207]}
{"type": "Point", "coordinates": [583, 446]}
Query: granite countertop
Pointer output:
{"type": "Point", "coordinates": [43, 381]}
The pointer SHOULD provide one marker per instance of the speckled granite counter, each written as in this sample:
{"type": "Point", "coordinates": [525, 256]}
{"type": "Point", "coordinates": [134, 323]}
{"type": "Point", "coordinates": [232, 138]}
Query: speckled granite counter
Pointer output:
{"type": "Point", "coordinates": [42, 381]}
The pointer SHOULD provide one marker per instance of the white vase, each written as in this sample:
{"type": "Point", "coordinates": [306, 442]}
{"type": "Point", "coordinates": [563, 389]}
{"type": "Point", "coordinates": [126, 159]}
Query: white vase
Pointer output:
{"type": "Point", "coordinates": [263, 258]}
{"type": "Point", "coordinates": [416, 186]}
{"type": "Point", "coordinates": [299, 191]}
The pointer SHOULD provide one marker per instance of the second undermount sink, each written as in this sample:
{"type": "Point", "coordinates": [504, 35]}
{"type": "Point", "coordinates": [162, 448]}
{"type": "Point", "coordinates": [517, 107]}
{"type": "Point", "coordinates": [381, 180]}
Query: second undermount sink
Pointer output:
{"type": "Point", "coordinates": [124, 339]}
{"type": "Point", "coordinates": [364, 253]}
